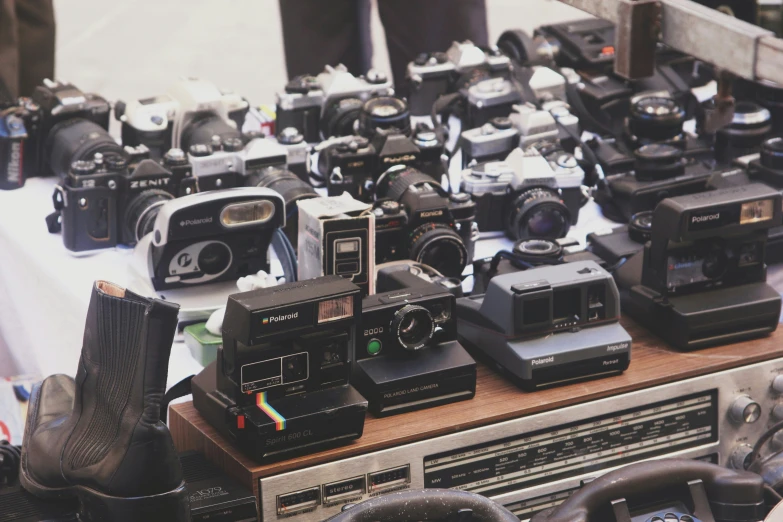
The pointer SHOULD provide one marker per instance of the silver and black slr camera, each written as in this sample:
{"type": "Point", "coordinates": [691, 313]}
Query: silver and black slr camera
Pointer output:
{"type": "Point", "coordinates": [281, 383]}
{"type": "Point", "coordinates": [533, 193]}
{"type": "Point", "coordinates": [17, 122]}
{"type": "Point", "coordinates": [385, 139]}
{"type": "Point", "coordinates": [192, 112]}
{"type": "Point", "coordinates": [108, 201]}
{"type": "Point", "coordinates": [327, 105]}
{"type": "Point", "coordinates": [432, 75]}
{"type": "Point", "coordinates": [408, 357]}
{"type": "Point", "coordinates": [212, 236]}
{"type": "Point", "coordinates": [416, 219]}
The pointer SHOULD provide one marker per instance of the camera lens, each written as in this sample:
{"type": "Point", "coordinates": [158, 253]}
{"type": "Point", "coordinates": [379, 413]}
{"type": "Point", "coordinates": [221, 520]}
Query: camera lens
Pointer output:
{"type": "Point", "coordinates": [413, 325]}
{"type": "Point", "coordinates": [394, 184]}
{"type": "Point", "coordinates": [75, 140]}
{"type": "Point", "coordinates": [715, 264]}
{"type": "Point", "coordinates": [214, 258]}
{"type": "Point", "coordinates": [440, 247]}
{"type": "Point", "coordinates": [538, 213]}
{"type": "Point", "coordinates": [658, 161]}
{"type": "Point", "coordinates": [772, 153]}
{"type": "Point", "coordinates": [640, 226]}
{"type": "Point", "coordinates": [749, 127]}
{"type": "Point", "coordinates": [543, 248]}
{"type": "Point", "coordinates": [141, 213]}
{"type": "Point", "coordinates": [288, 185]}
{"type": "Point", "coordinates": [655, 118]}
{"type": "Point", "coordinates": [204, 127]}
{"type": "Point", "coordinates": [340, 116]}
{"type": "Point", "coordinates": [384, 114]}
{"type": "Point", "coordinates": [294, 368]}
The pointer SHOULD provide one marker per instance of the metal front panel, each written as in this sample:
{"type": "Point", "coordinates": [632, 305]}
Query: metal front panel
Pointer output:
{"type": "Point", "coordinates": [754, 381]}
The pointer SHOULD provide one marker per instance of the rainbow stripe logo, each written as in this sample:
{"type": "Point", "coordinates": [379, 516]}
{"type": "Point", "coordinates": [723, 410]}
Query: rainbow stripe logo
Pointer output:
{"type": "Point", "coordinates": [265, 320]}
{"type": "Point", "coordinates": [272, 413]}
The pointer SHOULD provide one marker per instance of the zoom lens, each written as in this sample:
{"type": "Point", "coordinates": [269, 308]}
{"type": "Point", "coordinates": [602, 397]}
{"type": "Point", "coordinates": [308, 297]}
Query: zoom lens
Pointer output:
{"type": "Point", "coordinates": [214, 258]}
{"type": "Point", "coordinates": [385, 114]}
{"type": "Point", "coordinates": [640, 226]}
{"type": "Point", "coordinates": [141, 213]}
{"type": "Point", "coordinates": [203, 127]}
{"type": "Point", "coordinates": [655, 118]}
{"type": "Point", "coordinates": [749, 126]}
{"type": "Point", "coordinates": [538, 213]}
{"type": "Point", "coordinates": [413, 325]}
{"type": "Point", "coordinates": [440, 247]}
{"type": "Point", "coordinates": [78, 140]}
{"type": "Point", "coordinates": [340, 116]}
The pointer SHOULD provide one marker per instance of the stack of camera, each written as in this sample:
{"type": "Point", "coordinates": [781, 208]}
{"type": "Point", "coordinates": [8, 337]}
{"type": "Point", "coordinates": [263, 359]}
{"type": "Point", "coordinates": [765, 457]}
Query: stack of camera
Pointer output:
{"type": "Point", "coordinates": [374, 203]}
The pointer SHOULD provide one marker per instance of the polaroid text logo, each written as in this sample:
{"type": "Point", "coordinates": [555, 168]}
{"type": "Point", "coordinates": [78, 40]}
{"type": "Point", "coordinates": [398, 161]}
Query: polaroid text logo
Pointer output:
{"type": "Point", "coordinates": [545, 360]}
{"type": "Point", "coordinates": [191, 222]}
{"type": "Point", "coordinates": [279, 318]}
{"type": "Point", "coordinates": [702, 219]}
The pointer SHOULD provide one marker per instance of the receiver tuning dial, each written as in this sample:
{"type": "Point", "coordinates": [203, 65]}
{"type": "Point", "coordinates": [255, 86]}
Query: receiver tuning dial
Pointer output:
{"type": "Point", "coordinates": [739, 458]}
{"type": "Point", "coordinates": [745, 410]}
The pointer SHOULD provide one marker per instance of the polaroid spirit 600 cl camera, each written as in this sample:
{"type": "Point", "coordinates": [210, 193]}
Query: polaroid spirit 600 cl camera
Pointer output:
{"type": "Point", "coordinates": [280, 384]}
{"type": "Point", "coordinates": [548, 325]}
{"type": "Point", "coordinates": [701, 279]}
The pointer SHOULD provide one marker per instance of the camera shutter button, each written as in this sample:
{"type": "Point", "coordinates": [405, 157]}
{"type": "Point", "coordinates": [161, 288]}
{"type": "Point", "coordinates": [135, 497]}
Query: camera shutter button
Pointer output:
{"type": "Point", "coordinates": [200, 150]}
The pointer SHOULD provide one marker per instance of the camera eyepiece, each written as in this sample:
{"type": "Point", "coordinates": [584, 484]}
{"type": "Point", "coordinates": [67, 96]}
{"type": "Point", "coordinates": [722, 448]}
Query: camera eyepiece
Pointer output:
{"type": "Point", "coordinates": [656, 118]}
{"type": "Point", "coordinates": [413, 325]}
{"type": "Point", "coordinates": [384, 114]}
{"type": "Point", "coordinates": [538, 213]}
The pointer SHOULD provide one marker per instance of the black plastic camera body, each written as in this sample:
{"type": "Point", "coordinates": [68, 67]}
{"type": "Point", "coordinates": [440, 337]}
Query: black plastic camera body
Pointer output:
{"type": "Point", "coordinates": [408, 357]}
{"type": "Point", "coordinates": [105, 201]}
{"type": "Point", "coordinates": [73, 126]}
{"type": "Point", "coordinates": [281, 383]}
{"type": "Point", "coordinates": [418, 220]}
{"type": "Point", "coordinates": [213, 236]}
{"type": "Point", "coordinates": [701, 279]}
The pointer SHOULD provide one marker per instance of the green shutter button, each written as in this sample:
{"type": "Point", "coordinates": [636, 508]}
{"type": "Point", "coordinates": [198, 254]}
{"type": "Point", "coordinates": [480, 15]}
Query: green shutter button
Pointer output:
{"type": "Point", "coordinates": [374, 347]}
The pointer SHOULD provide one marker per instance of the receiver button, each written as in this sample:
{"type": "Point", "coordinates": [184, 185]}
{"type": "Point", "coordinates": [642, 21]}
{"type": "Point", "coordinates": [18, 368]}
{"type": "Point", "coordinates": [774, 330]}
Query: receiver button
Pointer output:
{"type": "Point", "coordinates": [745, 410]}
{"type": "Point", "coordinates": [777, 384]}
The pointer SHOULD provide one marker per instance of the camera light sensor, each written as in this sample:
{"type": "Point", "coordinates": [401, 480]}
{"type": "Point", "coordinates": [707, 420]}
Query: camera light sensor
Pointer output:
{"type": "Point", "coordinates": [756, 211]}
{"type": "Point", "coordinates": [335, 309]}
{"type": "Point", "coordinates": [248, 213]}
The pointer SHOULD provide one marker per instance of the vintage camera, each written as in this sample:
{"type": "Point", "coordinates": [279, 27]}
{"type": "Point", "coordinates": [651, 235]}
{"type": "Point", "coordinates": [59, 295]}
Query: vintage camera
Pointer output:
{"type": "Point", "coordinates": [329, 104]}
{"type": "Point", "coordinates": [281, 383]}
{"type": "Point", "coordinates": [488, 99]}
{"type": "Point", "coordinates": [107, 201]}
{"type": "Point", "coordinates": [659, 171]}
{"type": "Point", "coordinates": [548, 326]}
{"type": "Point", "coordinates": [72, 126]}
{"type": "Point", "coordinates": [14, 123]}
{"type": "Point", "coordinates": [534, 192]}
{"type": "Point", "coordinates": [416, 219]}
{"type": "Point", "coordinates": [431, 75]}
{"type": "Point", "coordinates": [399, 275]}
{"type": "Point", "coordinates": [619, 244]}
{"type": "Point", "coordinates": [409, 357]}
{"type": "Point", "coordinates": [750, 126]}
{"type": "Point", "coordinates": [492, 141]}
{"type": "Point", "coordinates": [354, 164]}
{"type": "Point", "coordinates": [192, 112]}
{"type": "Point", "coordinates": [212, 236]}
{"type": "Point", "coordinates": [701, 279]}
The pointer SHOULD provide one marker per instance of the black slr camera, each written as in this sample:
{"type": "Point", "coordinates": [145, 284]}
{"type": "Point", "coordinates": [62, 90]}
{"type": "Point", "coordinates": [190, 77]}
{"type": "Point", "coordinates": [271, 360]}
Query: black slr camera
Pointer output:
{"type": "Point", "coordinates": [409, 357]}
{"type": "Point", "coordinates": [17, 123]}
{"type": "Point", "coordinates": [416, 219]}
{"type": "Point", "coordinates": [73, 126]}
{"type": "Point", "coordinates": [701, 279]}
{"type": "Point", "coordinates": [280, 384]}
{"type": "Point", "coordinates": [385, 139]}
{"type": "Point", "coordinates": [110, 200]}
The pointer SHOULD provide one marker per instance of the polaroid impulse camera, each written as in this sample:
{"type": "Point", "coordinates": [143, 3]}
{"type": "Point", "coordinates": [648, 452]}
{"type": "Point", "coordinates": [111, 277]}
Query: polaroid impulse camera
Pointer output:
{"type": "Point", "coordinates": [193, 111]}
{"type": "Point", "coordinates": [212, 236]}
{"type": "Point", "coordinates": [533, 193]}
{"type": "Point", "coordinates": [548, 326]}
{"type": "Point", "coordinates": [701, 279]}
{"type": "Point", "coordinates": [105, 201]}
{"type": "Point", "coordinates": [416, 219]}
{"type": "Point", "coordinates": [409, 357]}
{"type": "Point", "coordinates": [329, 104]}
{"type": "Point", "coordinates": [17, 122]}
{"type": "Point", "coordinates": [281, 383]}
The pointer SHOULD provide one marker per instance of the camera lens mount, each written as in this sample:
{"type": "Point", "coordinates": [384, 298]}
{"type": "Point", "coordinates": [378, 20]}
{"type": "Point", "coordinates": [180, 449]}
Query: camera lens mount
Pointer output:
{"type": "Point", "coordinates": [413, 326]}
{"type": "Point", "coordinates": [538, 213]}
{"type": "Point", "coordinates": [656, 118]}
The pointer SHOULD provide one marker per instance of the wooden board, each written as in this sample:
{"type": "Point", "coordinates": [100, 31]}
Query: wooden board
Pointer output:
{"type": "Point", "coordinates": [496, 400]}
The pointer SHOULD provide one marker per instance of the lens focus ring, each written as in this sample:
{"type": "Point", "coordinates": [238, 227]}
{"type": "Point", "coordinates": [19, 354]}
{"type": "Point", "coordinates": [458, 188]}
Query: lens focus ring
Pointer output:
{"type": "Point", "coordinates": [413, 325]}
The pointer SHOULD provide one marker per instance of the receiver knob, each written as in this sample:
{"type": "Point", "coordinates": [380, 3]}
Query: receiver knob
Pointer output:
{"type": "Point", "coordinates": [739, 457]}
{"type": "Point", "coordinates": [777, 384]}
{"type": "Point", "coordinates": [744, 409]}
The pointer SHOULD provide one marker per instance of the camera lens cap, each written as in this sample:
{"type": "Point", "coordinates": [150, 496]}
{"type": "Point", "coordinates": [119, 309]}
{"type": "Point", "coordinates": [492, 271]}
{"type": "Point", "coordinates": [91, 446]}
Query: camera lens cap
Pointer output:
{"type": "Point", "coordinates": [232, 144]}
{"type": "Point", "coordinates": [200, 150]}
{"type": "Point", "coordinates": [772, 153]}
{"type": "Point", "coordinates": [83, 167]}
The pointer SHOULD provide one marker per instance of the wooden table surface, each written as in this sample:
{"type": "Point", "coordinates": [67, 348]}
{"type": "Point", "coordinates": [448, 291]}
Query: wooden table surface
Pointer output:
{"type": "Point", "coordinates": [496, 399]}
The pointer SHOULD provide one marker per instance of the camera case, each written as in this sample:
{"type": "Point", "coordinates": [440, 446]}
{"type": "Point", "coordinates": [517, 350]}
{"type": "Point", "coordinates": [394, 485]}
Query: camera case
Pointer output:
{"type": "Point", "coordinates": [408, 357]}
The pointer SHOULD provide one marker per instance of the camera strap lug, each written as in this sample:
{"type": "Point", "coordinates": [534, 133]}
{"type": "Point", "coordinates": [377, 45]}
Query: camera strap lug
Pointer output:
{"type": "Point", "coordinates": [53, 221]}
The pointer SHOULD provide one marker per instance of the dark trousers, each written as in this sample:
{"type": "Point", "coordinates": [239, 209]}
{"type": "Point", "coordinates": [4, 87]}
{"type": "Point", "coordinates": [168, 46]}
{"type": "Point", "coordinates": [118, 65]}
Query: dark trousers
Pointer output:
{"type": "Point", "coordinates": [327, 32]}
{"type": "Point", "coordinates": [26, 45]}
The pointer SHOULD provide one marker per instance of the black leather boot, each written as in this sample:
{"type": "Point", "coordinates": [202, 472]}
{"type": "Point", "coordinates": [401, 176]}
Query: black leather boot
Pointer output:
{"type": "Point", "coordinates": [99, 437]}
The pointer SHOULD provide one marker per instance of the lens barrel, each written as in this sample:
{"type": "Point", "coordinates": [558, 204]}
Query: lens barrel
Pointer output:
{"type": "Point", "coordinates": [78, 140]}
{"type": "Point", "coordinates": [655, 118]}
{"type": "Point", "coordinates": [413, 325]}
{"type": "Point", "coordinates": [384, 114]}
{"type": "Point", "coordinates": [141, 212]}
{"type": "Point", "coordinates": [538, 213]}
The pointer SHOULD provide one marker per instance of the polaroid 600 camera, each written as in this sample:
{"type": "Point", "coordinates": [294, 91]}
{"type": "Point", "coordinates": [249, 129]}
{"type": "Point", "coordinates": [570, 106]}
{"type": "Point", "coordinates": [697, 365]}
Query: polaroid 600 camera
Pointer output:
{"type": "Point", "coordinates": [549, 325]}
{"type": "Point", "coordinates": [701, 279]}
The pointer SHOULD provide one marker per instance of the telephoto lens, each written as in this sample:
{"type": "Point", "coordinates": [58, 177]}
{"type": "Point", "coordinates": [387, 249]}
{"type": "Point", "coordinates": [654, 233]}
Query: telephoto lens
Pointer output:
{"type": "Point", "coordinates": [655, 119]}
{"type": "Point", "coordinates": [340, 117]}
{"type": "Point", "coordinates": [78, 140]}
{"type": "Point", "coordinates": [384, 114]}
{"type": "Point", "coordinates": [203, 128]}
{"type": "Point", "coordinates": [749, 127]}
{"type": "Point", "coordinates": [538, 212]}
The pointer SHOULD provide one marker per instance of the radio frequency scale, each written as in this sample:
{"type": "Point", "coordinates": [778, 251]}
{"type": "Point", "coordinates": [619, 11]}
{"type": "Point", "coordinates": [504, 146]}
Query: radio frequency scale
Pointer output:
{"type": "Point", "coordinates": [528, 451]}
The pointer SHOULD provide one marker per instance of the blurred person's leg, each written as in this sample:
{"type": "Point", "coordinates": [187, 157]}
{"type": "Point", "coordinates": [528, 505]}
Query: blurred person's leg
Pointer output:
{"type": "Point", "coordinates": [36, 43]}
{"type": "Point", "coordinates": [418, 26]}
{"type": "Point", "coordinates": [326, 32]}
{"type": "Point", "coordinates": [9, 51]}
